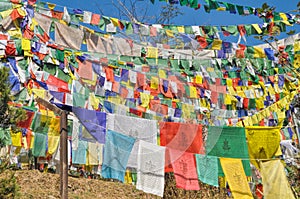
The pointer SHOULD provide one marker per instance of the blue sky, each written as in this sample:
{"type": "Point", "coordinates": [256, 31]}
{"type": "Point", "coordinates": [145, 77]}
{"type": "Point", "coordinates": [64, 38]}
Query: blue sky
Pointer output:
{"type": "Point", "coordinates": [190, 16]}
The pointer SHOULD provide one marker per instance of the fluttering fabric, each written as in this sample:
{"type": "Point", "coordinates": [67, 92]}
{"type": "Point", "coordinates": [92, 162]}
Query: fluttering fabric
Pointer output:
{"type": "Point", "coordinates": [93, 121]}
{"type": "Point", "coordinates": [263, 142]}
{"type": "Point", "coordinates": [229, 142]}
{"type": "Point", "coordinates": [235, 175]}
{"type": "Point", "coordinates": [184, 167]}
{"type": "Point", "coordinates": [79, 155]}
{"type": "Point", "coordinates": [140, 129]}
{"type": "Point", "coordinates": [39, 147]}
{"type": "Point", "coordinates": [117, 149]}
{"type": "Point", "coordinates": [53, 134]}
{"type": "Point", "coordinates": [150, 171]}
{"type": "Point", "coordinates": [94, 155]}
{"type": "Point", "coordinates": [94, 43]}
{"type": "Point", "coordinates": [207, 168]}
{"type": "Point", "coordinates": [181, 136]}
{"type": "Point", "coordinates": [68, 36]}
{"type": "Point", "coordinates": [275, 183]}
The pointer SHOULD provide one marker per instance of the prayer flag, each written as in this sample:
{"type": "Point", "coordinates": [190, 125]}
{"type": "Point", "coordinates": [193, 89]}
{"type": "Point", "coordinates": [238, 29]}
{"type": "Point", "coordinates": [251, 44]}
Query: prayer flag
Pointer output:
{"type": "Point", "coordinates": [117, 149]}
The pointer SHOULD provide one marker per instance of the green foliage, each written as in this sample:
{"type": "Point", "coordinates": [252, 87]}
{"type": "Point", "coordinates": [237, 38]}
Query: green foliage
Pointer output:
{"type": "Point", "coordinates": [8, 182]}
{"type": "Point", "coordinates": [9, 115]}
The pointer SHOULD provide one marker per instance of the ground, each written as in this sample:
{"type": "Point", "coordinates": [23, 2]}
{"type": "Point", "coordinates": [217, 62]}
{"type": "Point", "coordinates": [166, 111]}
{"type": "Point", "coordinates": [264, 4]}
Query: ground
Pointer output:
{"type": "Point", "coordinates": [34, 184]}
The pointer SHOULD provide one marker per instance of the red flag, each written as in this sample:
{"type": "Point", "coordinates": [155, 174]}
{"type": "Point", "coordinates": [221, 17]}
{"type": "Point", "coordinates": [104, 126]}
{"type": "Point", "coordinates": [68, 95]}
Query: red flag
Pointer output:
{"type": "Point", "coordinates": [181, 136]}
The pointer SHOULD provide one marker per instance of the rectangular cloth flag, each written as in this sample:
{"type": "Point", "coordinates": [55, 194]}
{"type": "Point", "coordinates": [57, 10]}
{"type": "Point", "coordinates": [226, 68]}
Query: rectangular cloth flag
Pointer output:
{"type": "Point", "coordinates": [236, 177]}
{"type": "Point", "coordinates": [150, 171]}
{"type": "Point", "coordinates": [140, 129]}
{"type": "Point", "coordinates": [79, 155]}
{"type": "Point", "coordinates": [93, 121]}
{"type": "Point", "coordinates": [39, 146]}
{"type": "Point", "coordinates": [181, 136]}
{"type": "Point", "coordinates": [40, 123]}
{"type": "Point", "coordinates": [26, 123]}
{"type": "Point", "coordinates": [53, 134]}
{"type": "Point", "coordinates": [184, 167]}
{"type": "Point", "coordinates": [68, 36]}
{"type": "Point", "coordinates": [207, 168]}
{"type": "Point", "coordinates": [117, 149]}
{"type": "Point", "coordinates": [263, 142]}
{"type": "Point", "coordinates": [229, 142]}
{"type": "Point", "coordinates": [94, 43]}
{"type": "Point", "coordinates": [275, 183]}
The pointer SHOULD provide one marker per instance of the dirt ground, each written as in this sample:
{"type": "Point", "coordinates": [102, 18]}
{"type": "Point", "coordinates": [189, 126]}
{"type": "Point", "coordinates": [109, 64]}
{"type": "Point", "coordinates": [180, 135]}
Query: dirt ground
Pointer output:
{"type": "Point", "coordinates": [34, 184]}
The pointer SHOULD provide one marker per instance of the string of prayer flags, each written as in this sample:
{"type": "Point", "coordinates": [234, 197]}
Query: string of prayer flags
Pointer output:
{"type": "Point", "coordinates": [235, 175]}
{"type": "Point", "coordinates": [117, 150]}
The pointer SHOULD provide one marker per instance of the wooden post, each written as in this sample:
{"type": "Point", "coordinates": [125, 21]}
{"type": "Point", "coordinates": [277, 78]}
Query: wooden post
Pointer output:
{"type": "Point", "coordinates": [64, 156]}
{"type": "Point", "coordinates": [63, 145]}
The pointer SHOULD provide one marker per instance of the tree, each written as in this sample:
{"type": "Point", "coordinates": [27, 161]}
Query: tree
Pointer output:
{"type": "Point", "coordinates": [9, 115]}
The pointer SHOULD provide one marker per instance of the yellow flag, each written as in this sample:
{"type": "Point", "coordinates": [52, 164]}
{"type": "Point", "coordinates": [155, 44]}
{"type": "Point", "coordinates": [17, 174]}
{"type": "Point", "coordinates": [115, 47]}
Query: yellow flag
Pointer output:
{"type": "Point", "coordinates": [26, 44]}
{"type": "Point", "coordinates": [128, 178]}
{"type": "Point", "coordinates": [186, 110]}
{"type": "Point", "coordinates": [115, 21]}
{"type": "Point", "coordinates": [274, 180]}
{"type": "Point", "coordinates": [236, 177]}
{"type": "Point", "coordinates": [52, 143]}
{"type": "Point", "coordinates": [257, 28]}
{"type": "Point", "coordinates": [15, 33]}
{"type": "Point", "coordinates": [259, 52]}
{"type": "Point", "coordinates": [217, 44]}
{"type": "Point", "coordinates": [198, 79]}
{"type": "Point", "coordinates": [154, 82]}
{"type": "Point", "coordinates": [33, 24]}
{"type": "Point", "coordinates": [16, 138]}
{"type": "Point", "coordinates": [162, 74]}
{"type": "Point", "coordinates": [92, 156]}
{"type": "Point", "coordinates": [51, 6]}
{"type": "Point", "coordinates": [284, 18]}
{"type": "Point", "coordinates": [6, 13]}
{"type": "Point", "coordinates": [169, 33]}
{"type": "Point", "coordinates": [227, 100]}
{"type": "Point", "coordinates": [259, 103]}
{"type": "Point", "coordinates": [297, 46]}
{"type": "Point", "coordinates": [21, 12]}
{"type": "Point", "coordinates": [94, 101]}
{"type": "Point", "coordinates": [193, 92]}
{"type": "Point", "coordinates": [145, 98]}
{"type": "Point", "coordinates": [229, 82]}
{"type": "Point", "coordinates": [296, 61]}
{"type": "Point", "coordinates": [54, 126]}
{"type": "Point", "coordinates": [180, 29]}
{"type": "Point", "coordinates": [39, 92]}
{"type": "Point", "coordinates": [263, 142]}
{"type": "Point", "coordinates": [254, 119]}
{"type": "Point", "coordinates": [114, 100]}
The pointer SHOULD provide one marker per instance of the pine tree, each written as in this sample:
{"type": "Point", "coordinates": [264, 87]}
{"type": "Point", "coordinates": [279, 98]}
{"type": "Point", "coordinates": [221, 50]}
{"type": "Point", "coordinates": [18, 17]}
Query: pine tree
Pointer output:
{"type": "Point", "coordinates": [9, 115]}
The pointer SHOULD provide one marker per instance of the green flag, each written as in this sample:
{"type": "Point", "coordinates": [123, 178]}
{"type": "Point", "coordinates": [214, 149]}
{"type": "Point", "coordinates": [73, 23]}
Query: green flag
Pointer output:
{"type": "Point", "coordinates": [229, 142]}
